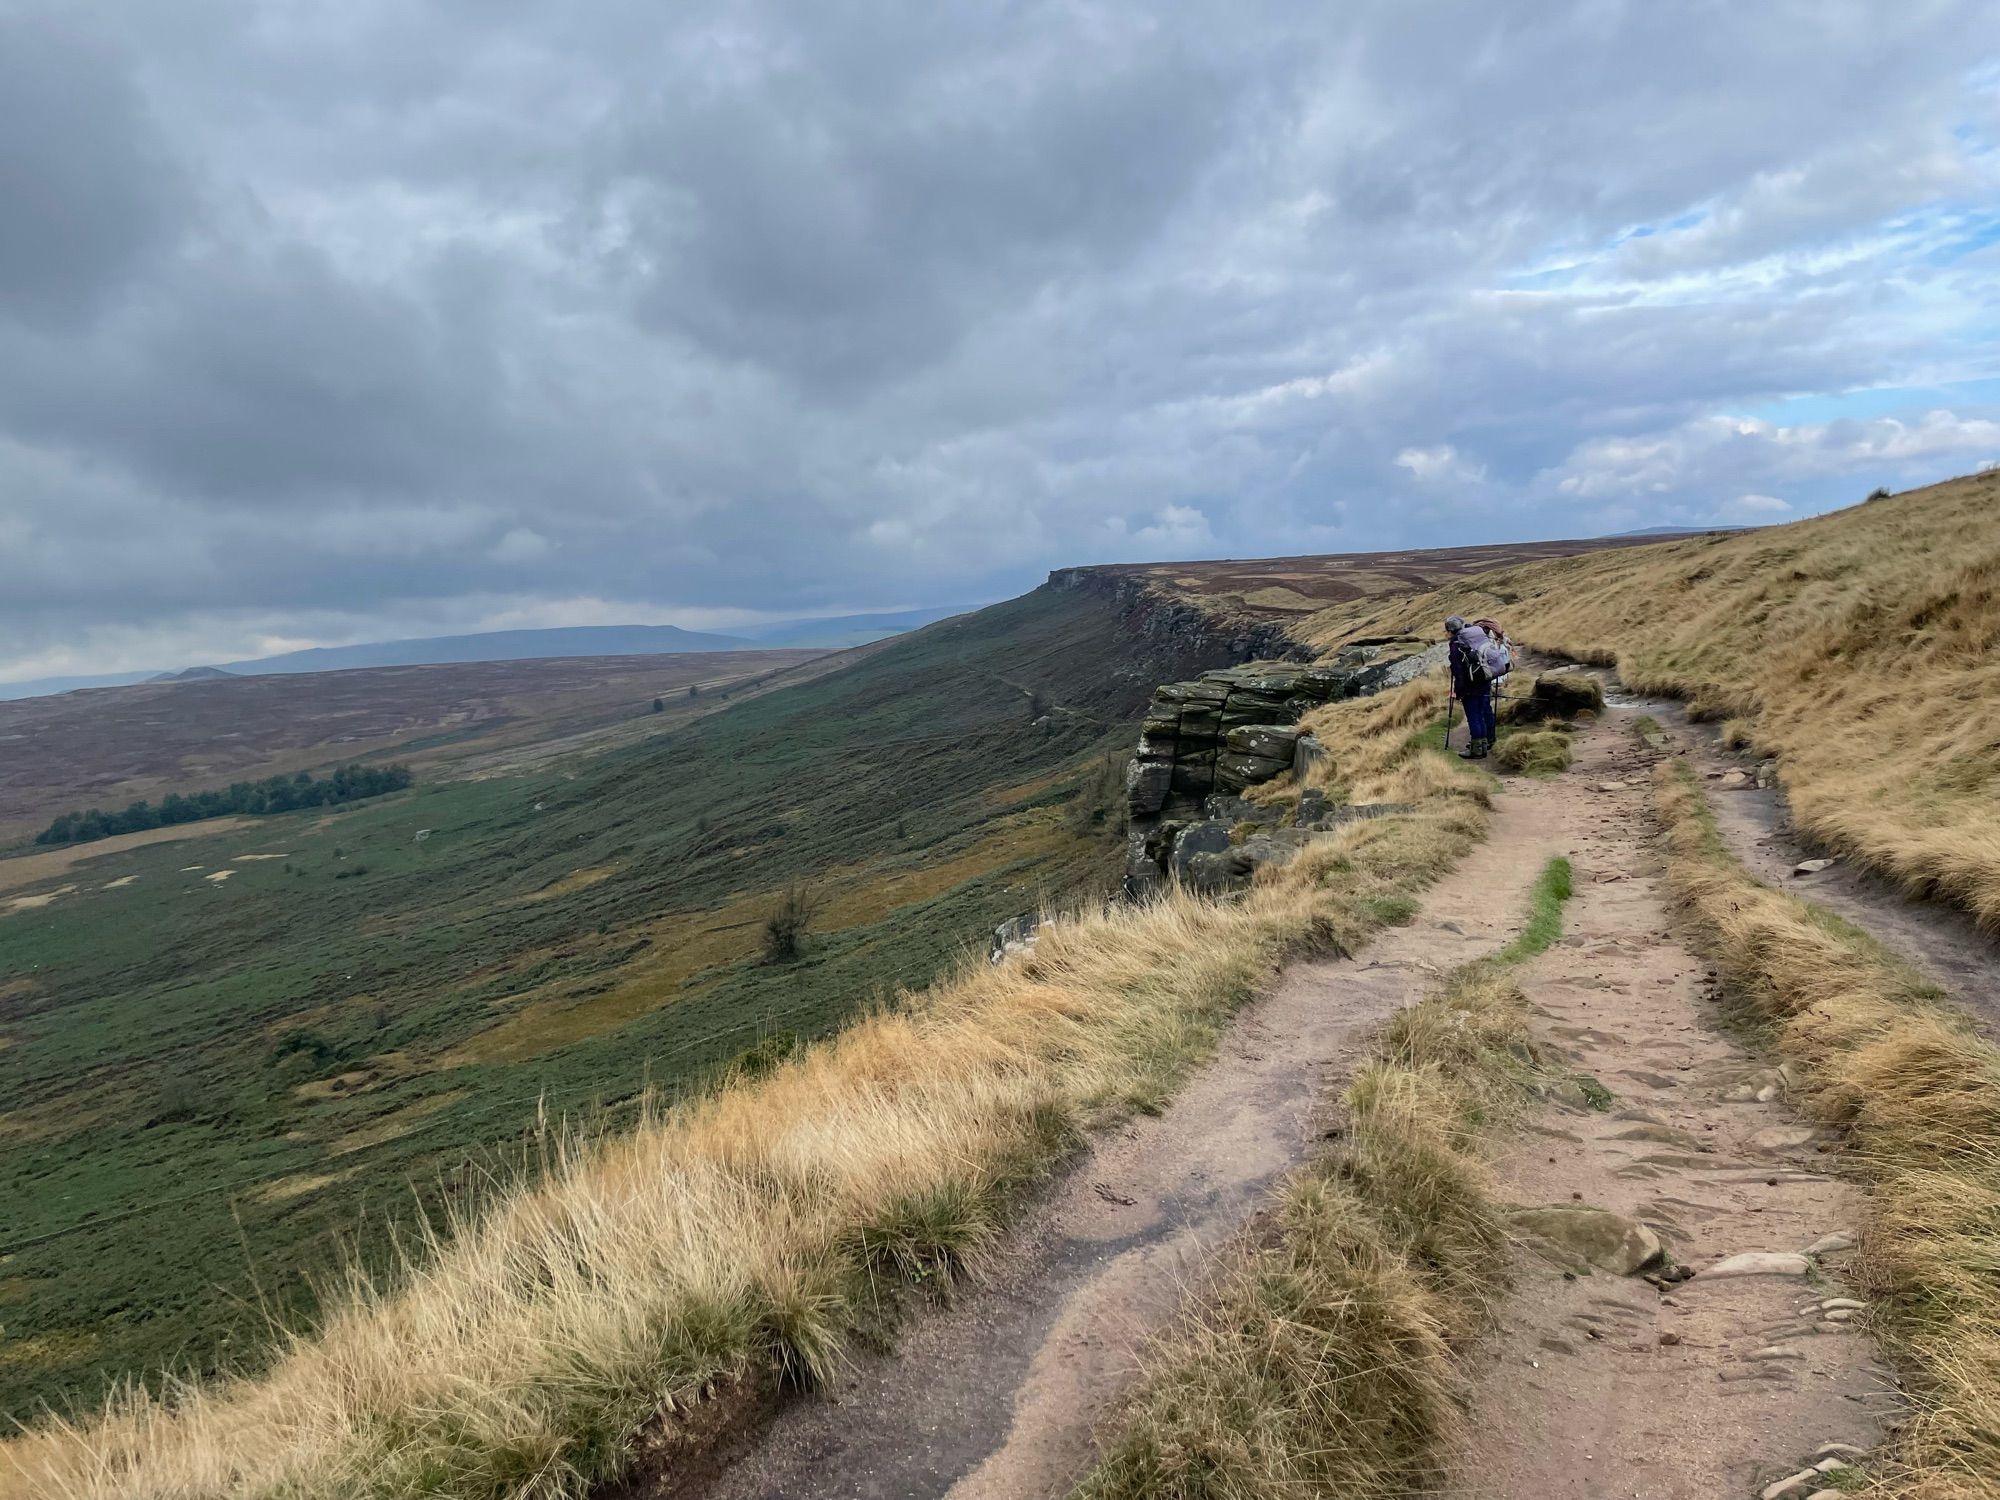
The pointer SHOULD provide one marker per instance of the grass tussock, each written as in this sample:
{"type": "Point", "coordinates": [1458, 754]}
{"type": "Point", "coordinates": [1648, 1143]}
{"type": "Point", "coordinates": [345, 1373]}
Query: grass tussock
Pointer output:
{"type": "Point", "coordinates": [1322, 1359]}
{"type": "Point", "coordinates": [1861, 648]}
{"type": "Point", "coordinates": [1884, 1056]}
{"type": "Point", "coordinates": [1540, 752]}
{"type": "Point", "coordinates": [749, 1238]}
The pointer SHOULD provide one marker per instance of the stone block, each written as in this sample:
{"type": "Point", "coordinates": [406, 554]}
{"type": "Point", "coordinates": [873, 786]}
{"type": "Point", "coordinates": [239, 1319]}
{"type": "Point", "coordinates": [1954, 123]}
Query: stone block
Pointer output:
{"type": "Point", "coordinates": [1270, 741]}
{"type": "Point", "coordinates": [1147, 783]}
{"type": "Point", "coordinates": [1235, 770]}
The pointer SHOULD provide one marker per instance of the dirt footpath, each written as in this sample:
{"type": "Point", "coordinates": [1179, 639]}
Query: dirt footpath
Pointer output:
{"type": "Point", "coordinates": [1593, 1385]}
{"type": "Point", "coordinates": [995, 1398]}
{"type": "Point", "coordinates": [1598, 1385]}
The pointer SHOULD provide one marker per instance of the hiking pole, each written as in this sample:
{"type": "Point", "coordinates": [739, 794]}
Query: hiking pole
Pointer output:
{"type": "Point", "coordinates": [1450, 702]}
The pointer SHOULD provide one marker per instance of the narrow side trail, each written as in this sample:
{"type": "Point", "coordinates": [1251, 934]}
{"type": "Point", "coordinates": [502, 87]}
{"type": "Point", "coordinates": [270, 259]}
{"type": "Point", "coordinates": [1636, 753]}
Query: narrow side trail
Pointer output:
{"type": "Point", "coordinates": [1943, 942]}
{"type": "Point", "coordinates": [1598, 1385]}
{"type": "Point", "coordinates": [995, 1397]}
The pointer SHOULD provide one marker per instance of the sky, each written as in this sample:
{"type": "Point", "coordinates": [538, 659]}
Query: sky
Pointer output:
{"type": "Point", "coordinates": [338, 320]}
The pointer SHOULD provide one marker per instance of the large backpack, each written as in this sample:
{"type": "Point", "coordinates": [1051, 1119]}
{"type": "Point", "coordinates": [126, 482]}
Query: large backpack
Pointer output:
{"type": "Point", "coordinates": [1474, 646]}
{"type": "Point", "coordinates": [1499, 656]}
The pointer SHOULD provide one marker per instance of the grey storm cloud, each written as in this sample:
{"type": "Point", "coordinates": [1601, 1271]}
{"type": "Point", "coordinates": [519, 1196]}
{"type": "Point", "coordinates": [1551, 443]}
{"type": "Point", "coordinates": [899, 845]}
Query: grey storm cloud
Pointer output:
{"type": "Point", "coordinates": [336, 321]}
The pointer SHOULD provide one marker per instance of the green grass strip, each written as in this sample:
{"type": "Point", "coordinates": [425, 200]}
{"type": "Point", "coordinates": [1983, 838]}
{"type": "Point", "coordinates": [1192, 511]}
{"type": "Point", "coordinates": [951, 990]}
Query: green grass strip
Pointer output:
{"type": "Point", "coordinates": [1545, 903]}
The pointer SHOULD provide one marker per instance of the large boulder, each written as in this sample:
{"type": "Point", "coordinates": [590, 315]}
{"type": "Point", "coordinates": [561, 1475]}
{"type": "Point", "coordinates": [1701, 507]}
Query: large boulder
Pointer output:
{"type": "Point", "coordinates": [1274, 847]}
{"type": "Point", "coordinates": [1205, 857]}
{"type": "Point", "coordinates": [1198, 839]}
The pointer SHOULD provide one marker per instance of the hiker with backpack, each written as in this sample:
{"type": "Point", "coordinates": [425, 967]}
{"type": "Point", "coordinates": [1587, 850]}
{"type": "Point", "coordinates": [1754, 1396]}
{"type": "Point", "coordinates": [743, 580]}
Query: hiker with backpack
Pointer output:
{"type": "Point", "coordinates": [1479, 658]}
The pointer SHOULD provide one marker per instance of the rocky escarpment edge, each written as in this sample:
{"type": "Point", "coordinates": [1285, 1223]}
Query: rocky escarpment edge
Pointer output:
{"type": "Point", "coordinates": [1207, 741]}
{"type": "Point", "coordinates": [1146, 610]}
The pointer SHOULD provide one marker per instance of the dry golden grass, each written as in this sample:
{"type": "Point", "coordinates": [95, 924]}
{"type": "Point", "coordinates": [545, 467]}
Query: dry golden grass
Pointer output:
{"type": "Point", "coordinates": [1321, 1360]}
{"type": "Point", "coordinates": [1885, 1057]}
{"type": "Point", "coordinates": [1536, 752]}
{"type": "Point", "coordinates": [1861, 648]}
{"type": "Point", "coordinates": [751, 1236]}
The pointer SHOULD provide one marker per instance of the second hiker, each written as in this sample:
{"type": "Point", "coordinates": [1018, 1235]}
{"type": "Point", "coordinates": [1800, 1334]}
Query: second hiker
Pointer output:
{"type": "Point", "coordinates": [1479, 658]}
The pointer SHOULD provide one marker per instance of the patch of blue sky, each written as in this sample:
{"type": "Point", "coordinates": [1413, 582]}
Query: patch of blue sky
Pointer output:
{"type": "Point", "coordinates": [1562, 266]}
{"type": "Point", "coordinates": [1961, 396]}
{"type": "Point", "coordinates": [1966, 234]}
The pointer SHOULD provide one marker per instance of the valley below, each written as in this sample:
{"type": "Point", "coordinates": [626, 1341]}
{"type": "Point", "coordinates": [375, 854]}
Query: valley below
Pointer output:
{"type": "Point", "coordinates": [237, 1055]}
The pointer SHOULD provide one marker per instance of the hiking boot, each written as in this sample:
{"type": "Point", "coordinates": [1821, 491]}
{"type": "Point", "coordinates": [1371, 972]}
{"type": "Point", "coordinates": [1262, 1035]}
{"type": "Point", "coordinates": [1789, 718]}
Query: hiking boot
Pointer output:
{"type": "Point", "coordinates": [1485, 748]}
{"type": "Point", "coordinates": [1474, 750]}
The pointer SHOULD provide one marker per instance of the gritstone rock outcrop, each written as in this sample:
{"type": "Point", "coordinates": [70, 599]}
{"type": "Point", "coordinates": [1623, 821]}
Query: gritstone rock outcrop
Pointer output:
{"type": "Point", "coordinates": [1205, 742]}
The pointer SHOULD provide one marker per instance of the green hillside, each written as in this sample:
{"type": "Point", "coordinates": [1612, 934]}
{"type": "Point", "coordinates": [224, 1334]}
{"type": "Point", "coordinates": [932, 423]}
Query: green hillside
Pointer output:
{"type": "Point", "coordinates": [211, 1084]}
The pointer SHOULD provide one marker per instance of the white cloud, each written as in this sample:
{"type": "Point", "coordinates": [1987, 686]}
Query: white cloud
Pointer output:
{"type": "Point", "coordinates": [1176, 531]}
{"type": "Point", "coordinates": [1710, 453]}
{"type": "Point", "coordinates": [520, 545]}
{"type": "Point", "coordinates": [1438, 464]}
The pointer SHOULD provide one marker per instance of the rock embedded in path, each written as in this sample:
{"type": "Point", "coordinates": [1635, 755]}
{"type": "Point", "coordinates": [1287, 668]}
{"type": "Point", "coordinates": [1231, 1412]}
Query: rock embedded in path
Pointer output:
{"type": "Point", "coordinates": [1757, 1263]}
{"type": "Point", "coordinates": [1813, 866]}
{"type": "Point", "coordinates": [1776, 1139]}
{"type": "Point", "coordinates": [1826, 1244]}
{"type": "Point", "coordinates": [1610, 1242]}
{"type": "Point", "coordinates": [1662, 1135]}
{"type": "Point", "coordinates": [1793, 1487]}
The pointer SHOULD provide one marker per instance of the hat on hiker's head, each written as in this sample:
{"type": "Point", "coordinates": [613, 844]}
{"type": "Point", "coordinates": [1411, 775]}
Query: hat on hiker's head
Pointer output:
{"type": "Point", "coordinates": [1455, 624]}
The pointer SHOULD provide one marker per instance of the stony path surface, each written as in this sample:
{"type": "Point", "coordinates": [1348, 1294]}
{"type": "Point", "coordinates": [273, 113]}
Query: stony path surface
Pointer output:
{"type": "Point", "coordinates": [1601, 1385]}
{"type": "Point", "coordinates": [1943, 942]}
{"type": "Point", "coordinates": [996, 1397]}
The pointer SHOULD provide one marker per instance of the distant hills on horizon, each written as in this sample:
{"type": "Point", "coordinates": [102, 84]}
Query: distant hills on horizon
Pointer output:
{"type": "Point", "coordinates": [1646, 531]}
{"type": "Point", "coordinates": [834, 633]}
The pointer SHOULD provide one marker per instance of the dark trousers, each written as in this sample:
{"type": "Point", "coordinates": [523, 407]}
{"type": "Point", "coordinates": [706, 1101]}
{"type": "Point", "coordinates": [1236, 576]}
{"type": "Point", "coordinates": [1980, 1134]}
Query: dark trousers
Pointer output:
{"type": "Point", "coordinates": [1478, 711]}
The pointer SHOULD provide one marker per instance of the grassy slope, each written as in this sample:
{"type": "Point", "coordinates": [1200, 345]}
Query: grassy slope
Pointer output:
{"type": "Point", "coordinates": [751, 1234]}
{"type": "Point", "coordinates": [1859, 647]}
{"type": "Point", "coordinates": [1888, 1059]}
{"type": "Point", "coordinates": [440, 994]}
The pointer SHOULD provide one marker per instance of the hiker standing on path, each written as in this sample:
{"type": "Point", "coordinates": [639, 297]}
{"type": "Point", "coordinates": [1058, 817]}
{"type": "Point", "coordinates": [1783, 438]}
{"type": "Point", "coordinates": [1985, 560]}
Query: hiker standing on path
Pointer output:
{"type": "Point", "coordinates": [1479, 659]}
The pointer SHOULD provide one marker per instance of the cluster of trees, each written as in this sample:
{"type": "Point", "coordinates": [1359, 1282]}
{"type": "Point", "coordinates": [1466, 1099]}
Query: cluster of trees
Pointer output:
{"type": "Point", "coordinates": [275, 794]}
